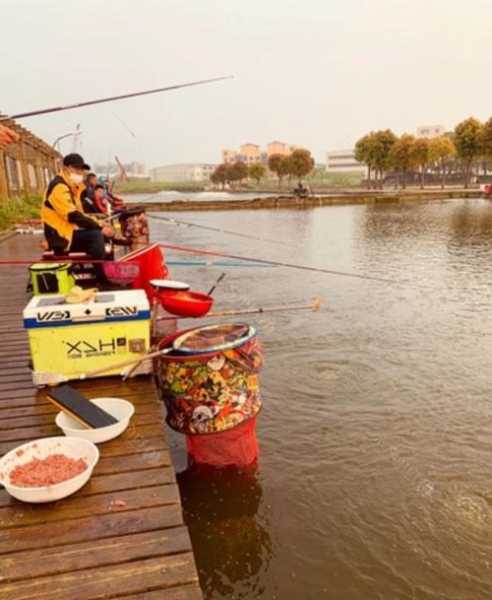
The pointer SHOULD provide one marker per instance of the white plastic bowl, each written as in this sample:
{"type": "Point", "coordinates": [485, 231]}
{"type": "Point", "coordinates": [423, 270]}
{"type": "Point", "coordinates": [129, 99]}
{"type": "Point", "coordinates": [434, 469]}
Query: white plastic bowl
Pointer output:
{"type": "Point", "coordinates": [72, 447]}
{"type": "Point", "coordinates": [118, 408]}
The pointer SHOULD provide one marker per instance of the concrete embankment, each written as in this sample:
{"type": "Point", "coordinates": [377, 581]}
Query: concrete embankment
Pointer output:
{"type": "Point", "coordinates": [291, 202]}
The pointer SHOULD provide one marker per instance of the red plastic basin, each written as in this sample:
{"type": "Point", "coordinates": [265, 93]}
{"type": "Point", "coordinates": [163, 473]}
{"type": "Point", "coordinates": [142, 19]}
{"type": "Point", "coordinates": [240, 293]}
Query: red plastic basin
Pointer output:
{"type": "Point", "coordinates": [186, 304]}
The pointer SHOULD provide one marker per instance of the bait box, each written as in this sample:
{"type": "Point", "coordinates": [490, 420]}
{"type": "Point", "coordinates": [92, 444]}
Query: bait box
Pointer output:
{"type": "Point", "coordinates": [69, 340]}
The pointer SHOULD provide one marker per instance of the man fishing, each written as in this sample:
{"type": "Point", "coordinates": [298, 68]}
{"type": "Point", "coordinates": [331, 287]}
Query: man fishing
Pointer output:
{"type": "Point", "coordinates": [66, 227]}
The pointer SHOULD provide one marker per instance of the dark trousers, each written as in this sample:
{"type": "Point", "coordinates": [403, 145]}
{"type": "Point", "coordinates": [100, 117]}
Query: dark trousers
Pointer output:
{"type": "Point", "coordinates": [90, 241]}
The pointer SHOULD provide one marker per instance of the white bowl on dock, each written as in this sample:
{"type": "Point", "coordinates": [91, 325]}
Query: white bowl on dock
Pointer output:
{"type": "Point", "coordinates": [71, 447]}
{"type": "Point", "coordinates": [120, 409]}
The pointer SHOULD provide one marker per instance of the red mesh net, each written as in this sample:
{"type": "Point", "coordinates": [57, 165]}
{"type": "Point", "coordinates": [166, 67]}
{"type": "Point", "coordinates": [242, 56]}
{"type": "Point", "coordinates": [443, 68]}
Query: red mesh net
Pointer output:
{"type": "Point", "coordinates": [237, 446]}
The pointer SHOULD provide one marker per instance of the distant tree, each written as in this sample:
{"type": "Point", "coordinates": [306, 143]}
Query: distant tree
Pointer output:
{"type": "Point", "coordinates": [420, 157]}
{"type": "Point", "coordinates": [469, 144]}
{"type": "Point", "coordinates": [257, 171]}
{"type": "Point", "coordinates": [374, 150]}
{"type": "Point", "coordinates": [238, 171]}
{"type": "Point", "coordinates": [401, 156]}
{"type": "Point", "coordinates": [279, 164]}
{"type": "Point", "coordinates": [220, 175]}
{"type": "Point", "coordinates": [362, 154]}
{"type": "Point", "coordinates": [300, 163]}
{"type": "Point", "coordinates": [441, 151]}
{"type": "Point", "coordinates": [380, 148]}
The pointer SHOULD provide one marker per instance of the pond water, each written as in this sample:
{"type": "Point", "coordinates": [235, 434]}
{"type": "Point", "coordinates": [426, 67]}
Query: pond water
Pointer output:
{"type": "Point", "coordinates": [374, 479]}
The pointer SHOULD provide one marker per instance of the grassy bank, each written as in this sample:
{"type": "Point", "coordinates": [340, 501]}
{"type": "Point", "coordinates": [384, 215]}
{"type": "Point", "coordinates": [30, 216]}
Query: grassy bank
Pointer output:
{"type": "Point", "coordinates": [17, 209]}
{"type": "Point", "coordinates": [153, 187]}
{"type": "Point", "coordinates": [319, 181]}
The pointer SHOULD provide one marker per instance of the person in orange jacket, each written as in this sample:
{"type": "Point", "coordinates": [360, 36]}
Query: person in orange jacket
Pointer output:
{"type": "Point", "coordinates": [66, 227]}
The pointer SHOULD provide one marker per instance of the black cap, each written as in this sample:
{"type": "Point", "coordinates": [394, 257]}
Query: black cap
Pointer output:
{"type": "Point", "coordinates": [75, 160]}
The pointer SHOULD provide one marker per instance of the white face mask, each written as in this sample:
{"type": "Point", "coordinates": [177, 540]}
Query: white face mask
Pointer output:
{"type": "Point", "coordinates": [76, 178]}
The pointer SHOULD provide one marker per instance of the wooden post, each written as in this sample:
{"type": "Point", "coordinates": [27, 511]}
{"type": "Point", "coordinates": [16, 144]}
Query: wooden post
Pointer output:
{"type": "Point", "coordinates": [4, 185]}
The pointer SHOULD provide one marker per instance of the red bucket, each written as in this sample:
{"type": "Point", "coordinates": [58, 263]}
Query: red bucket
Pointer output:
{"type": "Point", "coordinates": [151, 263]}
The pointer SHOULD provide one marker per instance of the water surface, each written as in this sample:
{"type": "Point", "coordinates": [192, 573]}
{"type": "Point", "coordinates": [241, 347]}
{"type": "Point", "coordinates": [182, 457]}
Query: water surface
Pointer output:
{"type": "Point", "coordinates": [374, 480]}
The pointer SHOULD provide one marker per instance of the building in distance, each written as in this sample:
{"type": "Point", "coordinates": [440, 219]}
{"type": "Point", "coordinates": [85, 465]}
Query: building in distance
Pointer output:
{"type": "Point", "coordinates": [343, 161]}
{"type": "Point", "coordinates": [252, 153]}
{"type": "Point", "coordinates": [430, 131]}
{"type": "Point", "coordinates": [183, 172]}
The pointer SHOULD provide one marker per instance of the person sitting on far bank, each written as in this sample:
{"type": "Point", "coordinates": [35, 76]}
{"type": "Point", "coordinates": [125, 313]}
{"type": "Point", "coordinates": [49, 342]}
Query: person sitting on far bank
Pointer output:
{"type": "Point", "coordinates": [66, 227]}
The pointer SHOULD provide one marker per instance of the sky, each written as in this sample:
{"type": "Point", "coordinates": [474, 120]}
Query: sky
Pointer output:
{"type": "Point", "coordinates": [318, 73]}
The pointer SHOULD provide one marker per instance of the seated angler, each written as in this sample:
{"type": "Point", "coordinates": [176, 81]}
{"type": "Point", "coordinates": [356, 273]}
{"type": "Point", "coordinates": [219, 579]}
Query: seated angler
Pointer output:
{"type": "Point", "coordinates": [66, 227]}
{"type": "Point", "coordinates": [87, 195]}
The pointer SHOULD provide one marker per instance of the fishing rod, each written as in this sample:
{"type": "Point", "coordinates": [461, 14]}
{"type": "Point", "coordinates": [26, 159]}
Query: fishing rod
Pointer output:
{"type": "Point", "coordinates": [168, 88]}
{"type": "Point", "coordinates": [191, 250]}
{"type": "Point", "coordinates": [218, 230]}
{"type": "Point", "coordinates": [314, 306]}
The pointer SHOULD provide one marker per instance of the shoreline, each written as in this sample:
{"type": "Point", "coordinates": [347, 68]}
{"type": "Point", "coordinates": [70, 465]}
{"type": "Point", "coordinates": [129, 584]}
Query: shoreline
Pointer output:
{"type": "Point", "coordinates": [290, 202]}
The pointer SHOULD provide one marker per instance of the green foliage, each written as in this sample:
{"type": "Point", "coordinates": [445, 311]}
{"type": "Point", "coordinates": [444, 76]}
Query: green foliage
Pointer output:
{"type": "Point", "coordinates": [139, 186]}
{"type": "Point", "coordinates": [468, 141]}
{"type": "Point", "coordinates": [257, 171]}
{"type": "Point", "coordinates": [18, 209]}
{"type": "Point", "coordinates": [401, 157]}
{"type": "Point", "coordinates": [487, 138]}
{"type": "Point", "coordinates": [441, 148]}
{"type": "Point", "coordinates": [300, 163]}
{"type": "Point", "coordinates": [420, 156]}
{"type": "Point", "coordinates": [441, 153]}
{"type": "Point", "coordinates": [374, 150]}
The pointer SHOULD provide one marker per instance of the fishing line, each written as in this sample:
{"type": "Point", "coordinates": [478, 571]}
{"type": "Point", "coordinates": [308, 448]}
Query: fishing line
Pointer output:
{"type": "Point", "coordinates": [218, 230]}
{"type": "Point", "coordinates": [189, 249]}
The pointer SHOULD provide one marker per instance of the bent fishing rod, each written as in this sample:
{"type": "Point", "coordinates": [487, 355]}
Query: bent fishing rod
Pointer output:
{"type": "Point", "coordinates": [168, 88]}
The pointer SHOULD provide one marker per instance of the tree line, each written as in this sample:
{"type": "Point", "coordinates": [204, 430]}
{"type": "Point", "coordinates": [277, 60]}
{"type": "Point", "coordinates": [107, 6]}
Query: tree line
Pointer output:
{"type": "Point", "coordinates": [462, 150]}
{"type": "Point", "coordinates": [299, 163]}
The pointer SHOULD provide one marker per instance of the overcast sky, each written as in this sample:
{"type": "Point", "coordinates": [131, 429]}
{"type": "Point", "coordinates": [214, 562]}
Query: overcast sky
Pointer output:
{"type": "Point", "coordinates": [314, 72]}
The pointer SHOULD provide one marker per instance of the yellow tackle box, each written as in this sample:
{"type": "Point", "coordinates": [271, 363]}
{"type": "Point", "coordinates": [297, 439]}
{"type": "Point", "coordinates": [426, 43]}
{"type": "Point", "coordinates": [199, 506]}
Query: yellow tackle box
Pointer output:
{"type": "Point", "coordinates": [70, 340]}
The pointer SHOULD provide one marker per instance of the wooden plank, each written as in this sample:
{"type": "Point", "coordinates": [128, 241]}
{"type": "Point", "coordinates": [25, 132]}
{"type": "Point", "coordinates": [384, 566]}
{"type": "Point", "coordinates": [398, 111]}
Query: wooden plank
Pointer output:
{"type": "Point", "coordinates": [119, 447]}
{"type": "Point", "coordinates": [187, 592]}
{"type": "Point", "coordinates": [116, 482]}
{"type": "Point", "coordinates": [120, 536]}
{"type": "Point", "coordinates": [106, 582]}
{"type": "Point", "coordinates": [41, 409]}
{"type": "Point", "coordinates": [36, 420]}
{"type": "Point", "coordinates": [87, 555]}
{"type": "Point", "coordinates": [89, 528]}
{"type": "Point", "coordinates": [14, 437]}
{"type": "Point", "coordinates": [85, 506]}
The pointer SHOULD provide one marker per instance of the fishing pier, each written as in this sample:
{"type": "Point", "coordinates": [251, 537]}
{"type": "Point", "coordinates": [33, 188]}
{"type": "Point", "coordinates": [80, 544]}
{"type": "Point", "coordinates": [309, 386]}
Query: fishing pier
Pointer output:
{"type": "Point", "coordinates": [122, 535]}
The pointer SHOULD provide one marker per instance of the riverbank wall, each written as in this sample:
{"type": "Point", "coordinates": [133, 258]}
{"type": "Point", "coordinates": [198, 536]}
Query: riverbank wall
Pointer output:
{"type": "Point", "coordinates": [292, 202]}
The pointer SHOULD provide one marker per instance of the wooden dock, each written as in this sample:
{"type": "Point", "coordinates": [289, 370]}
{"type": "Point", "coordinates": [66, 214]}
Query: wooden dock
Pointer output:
{"type": "Point", "coordinates": [120, 536]}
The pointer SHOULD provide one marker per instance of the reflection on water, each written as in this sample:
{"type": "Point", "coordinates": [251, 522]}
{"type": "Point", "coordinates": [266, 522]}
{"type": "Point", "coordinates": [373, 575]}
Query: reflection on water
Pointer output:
{"type": "Point", "coordinates": [232, 544]}
{"type": "Point", "coordinates": [374, 475]}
